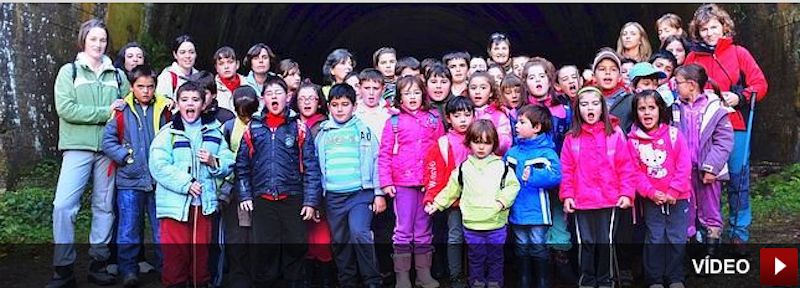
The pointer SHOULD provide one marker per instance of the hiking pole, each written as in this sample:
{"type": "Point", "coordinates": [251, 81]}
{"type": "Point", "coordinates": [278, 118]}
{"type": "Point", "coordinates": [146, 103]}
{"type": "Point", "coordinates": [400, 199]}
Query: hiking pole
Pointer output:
{"type": "Point", "coordinates": [746, 165]}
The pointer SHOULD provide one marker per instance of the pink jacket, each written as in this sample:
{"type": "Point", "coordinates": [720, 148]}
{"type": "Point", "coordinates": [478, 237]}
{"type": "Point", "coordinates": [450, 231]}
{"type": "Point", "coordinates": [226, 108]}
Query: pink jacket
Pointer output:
{"type": "Point", "coordinates": [501, 123]}
{"type": "Point", "coordinates": [587, 173]}
{"type": "Point", "coordinates": [662, 161]}
{"type": "Point", "coordinates": [404, 143]}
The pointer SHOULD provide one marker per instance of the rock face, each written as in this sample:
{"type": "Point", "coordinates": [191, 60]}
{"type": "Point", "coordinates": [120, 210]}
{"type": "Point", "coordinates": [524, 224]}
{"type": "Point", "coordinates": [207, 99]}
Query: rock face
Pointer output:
{"type": "Point", "coordinates": [36, 39]}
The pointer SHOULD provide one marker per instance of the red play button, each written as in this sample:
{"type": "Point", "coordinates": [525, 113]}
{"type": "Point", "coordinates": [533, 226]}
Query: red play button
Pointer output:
{"type": "Point", "coordinates": [778, 267]}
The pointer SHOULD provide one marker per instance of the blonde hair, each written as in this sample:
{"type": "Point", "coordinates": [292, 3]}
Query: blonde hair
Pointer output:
{"type": "Point", "coordinates": [708, 12]}
{"type": "Point", "coordinates": [644, 45]}
{"type": "Point", "coordinates": [671, 20]}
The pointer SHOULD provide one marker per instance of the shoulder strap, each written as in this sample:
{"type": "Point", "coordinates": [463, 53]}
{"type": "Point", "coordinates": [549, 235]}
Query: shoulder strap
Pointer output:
{"type": "Point", "coordinates": [74, 71]}
{"type": "Point", "coordinates": [444, 148]}
{"type": "Point", "coordinates": [301, 138]}
{"type": "Point", "coordinates": [174, 81]}
{"type": "Point", "coordinates": [119, 82]}
{"type": "Point", "coordinates": [673, 136]}
{"type": "Point", "coordinates": [460, 176]}
{"type": "Point", "coordinates": [503, 180]}
{"type": "Point", "coordinates": [611, 147]}
{"type": "Point", "coordinates": [120, 118]}
{"type": "Point", "coordinates": [248, 140]}
{"type": "Point", "coordinates": [395, 121]}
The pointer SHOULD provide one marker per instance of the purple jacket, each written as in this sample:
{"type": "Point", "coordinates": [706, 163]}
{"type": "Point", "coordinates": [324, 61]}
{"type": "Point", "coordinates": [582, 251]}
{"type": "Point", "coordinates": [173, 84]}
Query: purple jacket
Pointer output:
{"type": "Point", "coordinates": [405, 140]}
{"type": "Point", "coordinates": [716, 136]}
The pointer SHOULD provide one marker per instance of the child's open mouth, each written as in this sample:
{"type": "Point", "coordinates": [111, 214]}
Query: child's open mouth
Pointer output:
{"type": "Point", "coordinates": [591, 117]}
{"type": "Point", "coordinates": [573, 88]}
{"type": "Point", "coordinates": [607, 81]}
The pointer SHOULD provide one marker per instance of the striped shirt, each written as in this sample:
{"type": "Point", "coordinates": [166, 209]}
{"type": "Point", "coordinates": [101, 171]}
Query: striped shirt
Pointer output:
{"type": "Point", "coordinates": [342, 164]}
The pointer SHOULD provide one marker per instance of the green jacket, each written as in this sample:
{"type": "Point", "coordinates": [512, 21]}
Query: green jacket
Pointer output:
{"type": "Point", "coordinates": [480, 193]}
{"type": "Point", "coordinates": [84, 105]}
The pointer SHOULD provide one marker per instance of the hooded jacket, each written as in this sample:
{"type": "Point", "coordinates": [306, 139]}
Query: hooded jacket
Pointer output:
{"type": "Point", "coordinates": [532, 205]}
{"type": "Point", "coordinates": [164, 86]}
{"type": "Point", "coordinates": [662, 160]}
{"type": "Point", "coordinates": [716, 136]}
{"type": "Point", "coordinates": [438, 167]}
{"type": "Point", "coordinates": [368, 149]}
{"type": "Point", "coordinates": [400, 161]}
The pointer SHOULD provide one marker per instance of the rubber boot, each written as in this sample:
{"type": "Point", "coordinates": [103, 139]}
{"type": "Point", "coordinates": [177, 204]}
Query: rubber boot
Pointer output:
{"type": "Point", "coordinates": [63, 277]}
{"type": "Point", "coordinates": [422, 263]}
{"type": "Point", "coordinates": [524, 271]}
{"type": "Point", "coordinates": [564, 270]}
{"type": "Point", "coordinates": [402, 267]}
{"type": "Point", "coordinates": [542, 272]}
{"type": "Point", "coordinates": [98, 274]}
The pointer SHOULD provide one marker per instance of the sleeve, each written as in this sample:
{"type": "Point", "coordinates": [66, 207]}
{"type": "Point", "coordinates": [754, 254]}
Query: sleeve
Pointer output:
{"type": "Point", "coordinates": [385, 155]}
{"type": "Point", "coordinates": [549, 176]}
{"type": "Point", "coordinates": [66, 102]}
{"type": "Point", "coordinates": [626, 172]}
{"type": "Point", "coordinates": [681, 180]}
{"type": "Point", "coordinates": [449, 194]}
{"type": "Point", "coordinates": [503, 134]}
{"type": "Point", "coordinates": [164, 86]}
{"type": "Point", "coordinates": [225, 159]}
{"type": "Point", "coordinates": [111, 145]}
{"type": "Point", "coordinates": [161, 165]}
{"type": "Point", "coordinates": [432, 176]}
{"type": "Point", "coordinates": [721, 146]}
{"type": "Point", "coordinates": [754, 76]}
{"type": "Point", "coordinates": [312, 178]}
{"type": "Point", "coordinates": [509, 192]}
{"type": "Point", "coordinates": [376, 148]}
{"type": "Point", "coordinates": [568, 170]}
{"type": "Point", "coordinates": [243, 169]}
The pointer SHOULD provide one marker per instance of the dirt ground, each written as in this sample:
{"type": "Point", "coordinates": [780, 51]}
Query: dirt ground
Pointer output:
{"type": "Point", "coordinates": [29, 265]}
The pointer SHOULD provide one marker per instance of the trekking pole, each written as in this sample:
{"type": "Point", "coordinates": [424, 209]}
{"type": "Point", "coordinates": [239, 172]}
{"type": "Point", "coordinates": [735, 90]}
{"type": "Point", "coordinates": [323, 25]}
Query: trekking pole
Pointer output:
{"type": "Point", "coordinates": [746, 165]}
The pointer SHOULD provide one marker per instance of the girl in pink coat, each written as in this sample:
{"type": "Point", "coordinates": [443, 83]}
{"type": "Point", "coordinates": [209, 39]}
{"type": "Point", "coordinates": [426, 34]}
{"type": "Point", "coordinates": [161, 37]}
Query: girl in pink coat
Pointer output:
{"type": "Point", "coordinates": [488, 105]}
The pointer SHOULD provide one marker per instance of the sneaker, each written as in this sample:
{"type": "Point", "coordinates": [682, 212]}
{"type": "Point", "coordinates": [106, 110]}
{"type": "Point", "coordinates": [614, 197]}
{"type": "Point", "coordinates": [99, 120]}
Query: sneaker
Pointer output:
{"type": "Point", "coordinates": [457, 282]}
{"type": "Point", "coordinates": [493, 285]}
{"type": "Point", "coordinates": [478, 284]}
{"type": "Point", "coordinates": [130, 281]}
{"type": "Point", "coordinates": [656, 286]}
{"type": "Point", "coordinates": [63, 277]}
{"type": "Point", "coordinates": [112, 269]}
{"type": "Point", "coordinates": [99, 275]}
{"type": "Point", "coordinates": [145, 267]}
{"type": "Point", "coordinates": [676, 285]}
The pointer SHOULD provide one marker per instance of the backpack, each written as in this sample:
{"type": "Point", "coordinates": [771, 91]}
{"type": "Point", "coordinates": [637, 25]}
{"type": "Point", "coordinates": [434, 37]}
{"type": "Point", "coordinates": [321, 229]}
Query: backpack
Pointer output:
{"type": "Point", "coordinates": [611, 145]}
{"type": "Point", "coordinates": [502, 180]}
{"type": "Point", "coordinates": [119, 117]}
{"type": "Point", "coordinates": [301, 138]}
{"type": "Point", "coordinates": [395, 121]}
{"type": "Point", "coordinates": [116, 77]}
{"type": "Point", "coordinates": [174, 81]}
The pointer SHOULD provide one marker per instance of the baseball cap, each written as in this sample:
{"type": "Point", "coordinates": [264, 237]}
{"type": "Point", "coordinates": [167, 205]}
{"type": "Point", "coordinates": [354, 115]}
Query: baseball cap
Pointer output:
{"type": "Point", "coordinates": [606, 54]}
{"type": "Point", "coordinates": [643, 69]}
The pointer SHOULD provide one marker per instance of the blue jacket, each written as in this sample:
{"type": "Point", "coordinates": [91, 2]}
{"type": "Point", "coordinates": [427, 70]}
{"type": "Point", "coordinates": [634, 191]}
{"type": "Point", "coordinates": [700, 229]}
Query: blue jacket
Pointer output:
{"type": "Point", "coordinates": [174, 165]}
{"type": "Point", "coordinates": [532, 205]}
{"type": "Point", "coordinates": [274, 167]}
{"type": "Point", "coordinates": [368, 154]}
{"type": "Point", "coordinates": [139, 133]}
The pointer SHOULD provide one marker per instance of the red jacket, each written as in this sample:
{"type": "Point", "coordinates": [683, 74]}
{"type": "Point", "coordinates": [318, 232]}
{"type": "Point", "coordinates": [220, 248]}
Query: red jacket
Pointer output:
{"type": "Point", "coordinates": [437, 169]}
{"type": "Point", "coordinates": [724, 65]}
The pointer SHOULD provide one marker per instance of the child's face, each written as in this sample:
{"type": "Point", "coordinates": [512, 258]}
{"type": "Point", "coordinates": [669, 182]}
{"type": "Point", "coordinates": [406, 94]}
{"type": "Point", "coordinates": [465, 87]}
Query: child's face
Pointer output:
{"type": "Point", "coordinates": [458, 68]}
{"type": "Point", "coordinates": [371, 92]}
{"type": "Point", "coordinates": [499, 52]}
{"type": "Point", "coordinates": [631, 38]}
{"type": "Point", "coordinates": [143, 89]}
{"type": "Point", "coordinates": [386, 64]}
{"type": "Point", "coordinates": [677, 49]}
{"type": "Point", "coordinates": [133, 57]}
{"type": "Point", "coordinates": [526, 129]}
{"type": "Point", "coordinates": [537, 81]}
{"type": "Point", "coordinates": [512, 96]}
{"type": "Point", "coordinates": [185, 55]}
{"type": "Point", "coordinates": [665, 30]}
{"type": "Point", "coordinates": [607, 74]}
{"type": "Point", "coordinates": [626, 67]}
{"type": "Point", "coordinates": [341, 109]}
{"type": "Point", "coordinates": [340, 70]}
{"type": "Point", "coordinates": [353, 82]}
{"type": "Point", "coordinates": [687, 90]}
{"type": "Point", "coordinates": [307, 102]}
{"type": "Point", "coordinates": [476, 64]}
{"type": "Point", "coordinates": [480, 91]}
{"type": "Point", "coordinates": [482, 149]}
{"type": "Point", "coordinates": [590, 107]}
{"type": "Point", "coordinates": [226, 67]}
{"type": "Point", "coordinates": [190, 104]}
{"type": "Point", "coordinates": [438, 88]}
{"type": "Point", "coordinates": [518, 64]}
{"type": "Point", "coordinates": [260, 63]}
{"type": "Point", "coordinates": [497, 75]}
{"type": "Point", "coordinates": [569, 81]}
{"type": "Point", "coordinates": [646, 84]}
{"type": "Point", "coordinates": [292, 79]}
{"type": "Point", "coordinates": [411, 97]}
{"type": "Point", "coordinates": [275, 99]}
{"type": "Point", "coordinates": [711, 31]}
{"type": "Point", "coordinates": [647, 111]}
{"type": "Point", "coordinates": [665, 66]}
{"type": "Point", "coordinates": [460, 120]}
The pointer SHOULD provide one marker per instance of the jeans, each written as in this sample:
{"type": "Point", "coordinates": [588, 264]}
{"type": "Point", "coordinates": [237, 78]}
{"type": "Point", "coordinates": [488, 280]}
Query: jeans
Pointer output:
{"type": "Point", "coordinates": [350, 217]}
{"type": "Point", "coordinates": [132, 205]}
{"type": "Point", "coordinates": [530, 240]}
{"type": "Point", "coordinates": [739, 197]}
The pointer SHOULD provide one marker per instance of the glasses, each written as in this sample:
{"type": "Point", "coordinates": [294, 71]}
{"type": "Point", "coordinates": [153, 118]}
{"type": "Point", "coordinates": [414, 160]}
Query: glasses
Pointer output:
{"type": "Point", "coordinates": [681, 82]}
{"type": "Point", "coordinates": [308, 99]}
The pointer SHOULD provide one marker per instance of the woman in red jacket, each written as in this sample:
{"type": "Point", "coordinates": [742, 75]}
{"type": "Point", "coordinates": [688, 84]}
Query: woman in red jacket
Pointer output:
{"type": "Point", "coordinates": [739, 76]}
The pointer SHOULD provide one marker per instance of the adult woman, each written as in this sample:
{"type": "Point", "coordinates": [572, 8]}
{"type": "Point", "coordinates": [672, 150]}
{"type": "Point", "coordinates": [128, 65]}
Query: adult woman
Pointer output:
{"type": "Point", "coordinates": [183, 50]}
{"type": "Point", "coordinates": [733, 68]}
{"type": "Point", "coordinates": [633, 43]}
{"type": "Point", "coordinates": [259, 58]}
{"type": "Point", "coordinates": [130, 56]}
{"type": "Point", "coordinates": [86, 91]}
{"type": "Point", "coordinates": [499, 50]}
{"type": "Point", "coordinates": [339, 63]}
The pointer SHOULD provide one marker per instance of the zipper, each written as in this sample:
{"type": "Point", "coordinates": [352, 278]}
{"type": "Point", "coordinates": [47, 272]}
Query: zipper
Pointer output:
{"type": "Point", "coordinates": [272, 163]}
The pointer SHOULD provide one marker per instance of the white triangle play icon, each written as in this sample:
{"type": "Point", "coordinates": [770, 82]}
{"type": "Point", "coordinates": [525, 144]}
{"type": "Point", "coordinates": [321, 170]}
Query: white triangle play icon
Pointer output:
{"type": "Point", "coordinates": [778, 266]}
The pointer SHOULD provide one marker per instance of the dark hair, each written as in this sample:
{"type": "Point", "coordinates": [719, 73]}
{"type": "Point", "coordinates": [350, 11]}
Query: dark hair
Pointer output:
{"type": "Point", "coordinates": [439, 70]}
{"type": "Point", "coordinates": [406, 62]}
{"type": "Point", "coordinates": [459, 104]}
{"type": "Point", "coordinates": [707, 12]}
{"type": "Point", "coordinates": [335, 57]}
{"type": "Point", "coordinates": [664, 54]}
{"type": "Point", "coordinates": [680, 38]}
{"type": "Point", "coordinates": [191, 86]}
{"type": "Point", "coordinates": [142, 70]}
{"type": "Point", "coordinates": [456, 55]}
{"type": "Point", "coordinates": [664, 114]}
{"type": "Point", "coordinates": [577, 120]}
{"type": "Point", "coordinates": [245, 100]}
{"type": "Point", "coordinates": [343, 90]}
{"type": "Point", "coordinates": [370, 74]}
{"type": "Point", "coordinates": [274, 79]}
{"type": "Point", "coordinates": [322, 105]}
{"type": "Point", "coordinates": [497, 38]}
{"type": "Point", "coordinates": [180, 40]}
{"type": "Point", "coordinates": [86, 27]}
{"type": "Point", "coordinates": [626, 60]}
{"type": "Point", "coordinates": [224, 52]}
{"type": "Point", "coordinates": [495, 98]}
{"type": "Point", "coordinates": [511, 81]}
{"type": "Point", "coordinates": [547, 66]}
{"type": "Point", "coordinates": [255, 50]}
{"type": "Point", "coordinates": [205, 79]}
{"type": "Point", "coordinates": [119, 61]}
{"type": "Point", "coordinates": [286, 66]}
{"type": "Point", "coordinates": [406, 82]}
{"type": "Point", "coordinates": [381, 51]}
{"type": "Point", "coordinates": [427, 63]}
{"type": "Point", "coordinates": [537, 114]}
{"type": "Point", "coordinates": [698, 74]}
{"type": "Point", "coordinates": [477, 129]}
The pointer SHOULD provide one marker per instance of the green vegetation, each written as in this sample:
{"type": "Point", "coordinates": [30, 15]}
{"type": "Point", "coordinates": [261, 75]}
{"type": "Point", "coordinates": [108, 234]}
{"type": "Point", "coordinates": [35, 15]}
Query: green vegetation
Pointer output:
{"type": "Point", "coordinates": [158, 53]}
{"type": "Point", "coordinates": [777, 195]}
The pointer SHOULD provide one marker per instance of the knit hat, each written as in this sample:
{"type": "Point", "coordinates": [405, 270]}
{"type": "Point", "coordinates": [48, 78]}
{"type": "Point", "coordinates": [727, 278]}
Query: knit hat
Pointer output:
{"type": "Point", "coordinates": [606, 54]}
{"type": "Point", "coordinates": [644, 69]}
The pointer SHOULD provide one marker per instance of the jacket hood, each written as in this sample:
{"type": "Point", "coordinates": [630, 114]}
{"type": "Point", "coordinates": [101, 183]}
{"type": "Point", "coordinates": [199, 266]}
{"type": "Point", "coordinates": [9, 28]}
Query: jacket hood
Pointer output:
{"type": "Point", "coordinates": [480, 163]}
{"type": "Point", "coordinates": [207, 120]}
{"type": "Point", "coordinates": [640, 134]}
{"type": "Point", "coordinates": [541, 141]}
{"type": "Point", "coordinates": [83, 60]}
{"type": "Point", "coordinates": [722, 44]}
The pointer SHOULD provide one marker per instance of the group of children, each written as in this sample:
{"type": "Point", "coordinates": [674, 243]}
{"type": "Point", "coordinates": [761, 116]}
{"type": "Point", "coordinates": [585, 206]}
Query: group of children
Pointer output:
{"type": "Point", "coordinates": [293, 180]}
